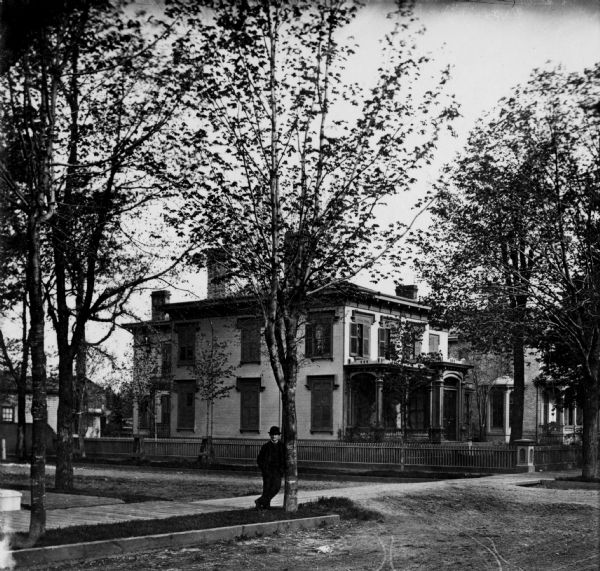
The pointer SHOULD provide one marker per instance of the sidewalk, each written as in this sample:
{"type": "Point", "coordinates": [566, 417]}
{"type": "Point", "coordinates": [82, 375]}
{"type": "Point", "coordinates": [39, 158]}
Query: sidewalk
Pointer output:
{"type": "Point", "coordinates": [72, 510]}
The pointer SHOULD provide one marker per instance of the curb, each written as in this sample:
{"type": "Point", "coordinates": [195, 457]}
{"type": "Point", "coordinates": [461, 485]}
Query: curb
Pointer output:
{"type": "Point", "coordinates": [106, 548]}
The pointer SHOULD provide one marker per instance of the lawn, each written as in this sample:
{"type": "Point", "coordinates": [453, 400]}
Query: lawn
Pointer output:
{"type": "Point", "coordinates": [146, 484]}
{"type": "Point", "coordinates": [466, 526]}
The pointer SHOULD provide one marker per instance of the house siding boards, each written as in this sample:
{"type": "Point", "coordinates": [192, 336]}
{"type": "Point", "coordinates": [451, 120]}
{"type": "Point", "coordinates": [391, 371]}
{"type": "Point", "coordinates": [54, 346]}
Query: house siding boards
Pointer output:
{"type": "Point", "coordinates": [322, 413]}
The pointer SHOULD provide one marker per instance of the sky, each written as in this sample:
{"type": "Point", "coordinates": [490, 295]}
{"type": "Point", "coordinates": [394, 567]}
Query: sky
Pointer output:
{"type": "Point", "coordinates": [491, 45]}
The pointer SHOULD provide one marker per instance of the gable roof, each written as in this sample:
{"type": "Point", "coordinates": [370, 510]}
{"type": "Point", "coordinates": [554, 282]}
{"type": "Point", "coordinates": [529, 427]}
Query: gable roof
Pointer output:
{"type": "Point", "coordinates": [8, 384]}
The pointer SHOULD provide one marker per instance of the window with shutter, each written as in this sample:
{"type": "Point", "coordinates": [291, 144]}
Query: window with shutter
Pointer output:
{"type": "Point", "coordinates": [186, 400]}
{"type": "Point", "coordinates": [166, 350]}
{"type": "Point", "coordinates": [434, 343]}
{"type": "Point", "coordinates": [249, 390]}
{"type": "Point", "coordinates": [360, 335]}
{"type": "Point", "coordinates": [384, 343]}
{"type": "Point", "coordinates": [186, 341]}
{"type": "Point", "coordinates": [318, 336]}
{"type": "Point", "coordinates": [321, 403]}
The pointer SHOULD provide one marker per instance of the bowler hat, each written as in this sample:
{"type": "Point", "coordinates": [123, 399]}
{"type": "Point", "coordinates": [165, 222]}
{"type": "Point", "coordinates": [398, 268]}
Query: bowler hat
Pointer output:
{"type": "Point", "coordinates": [274, 430]}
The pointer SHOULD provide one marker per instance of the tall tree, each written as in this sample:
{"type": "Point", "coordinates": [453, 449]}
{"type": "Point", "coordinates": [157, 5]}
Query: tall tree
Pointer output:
{"type": "Point", "coordinates": [300, 160]}
{"type": "Point", "coordinates": [115, 107]}
{"type": "Point", "coordinates": [549, 266]}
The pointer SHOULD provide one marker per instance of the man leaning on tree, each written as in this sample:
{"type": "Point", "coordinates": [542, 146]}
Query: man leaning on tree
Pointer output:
{"type": "Point", "coordinates": [271, 461]}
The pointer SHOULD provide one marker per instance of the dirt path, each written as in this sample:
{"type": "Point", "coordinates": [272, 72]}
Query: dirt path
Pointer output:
{"type": "Point", "coordinates": [474, 525]}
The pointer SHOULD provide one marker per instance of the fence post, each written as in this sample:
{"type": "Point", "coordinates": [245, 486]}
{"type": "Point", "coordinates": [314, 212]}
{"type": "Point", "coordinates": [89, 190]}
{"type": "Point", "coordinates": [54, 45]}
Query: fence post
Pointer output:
{"type": "Point", "coordinates": [138, 446]}
{"type": "Point", "coordinates": [525, 459]}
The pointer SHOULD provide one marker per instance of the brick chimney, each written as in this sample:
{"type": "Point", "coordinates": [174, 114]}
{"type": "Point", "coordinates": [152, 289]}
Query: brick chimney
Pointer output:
{"type": "Point", "coordinates": [160, 298]}
{"type": "Point", "coordinates": [407, 291]}
{"type": "Point", "coordinates": [218, 285]}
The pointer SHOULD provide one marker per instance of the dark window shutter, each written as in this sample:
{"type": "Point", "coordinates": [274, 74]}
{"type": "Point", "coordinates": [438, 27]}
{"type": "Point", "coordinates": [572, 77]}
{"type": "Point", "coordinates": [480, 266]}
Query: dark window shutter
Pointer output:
{"type": "Point", "coordinates": [327, 334]}
{"type": "Point", "coordinates": [309, 340]}
{"type": "Point", "coordinates": [186, 409]}
{"type": "Point", "coordinates": [167, 350]}
{"type": "Point", "coordinates": [354, 345]}
{"type": "Point", "coordinates": [322, 404]}
{"type": "Point", "coordinates": [250, 345]}
{"type": "Point", "coordinates": [366, 339]}
{"type": "Point", "coordinates": [249, 404]}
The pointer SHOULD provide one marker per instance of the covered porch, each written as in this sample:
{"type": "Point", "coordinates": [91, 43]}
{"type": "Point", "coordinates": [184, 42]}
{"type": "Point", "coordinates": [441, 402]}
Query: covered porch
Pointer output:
{"type": "Point", "coordinates": [387, 401]}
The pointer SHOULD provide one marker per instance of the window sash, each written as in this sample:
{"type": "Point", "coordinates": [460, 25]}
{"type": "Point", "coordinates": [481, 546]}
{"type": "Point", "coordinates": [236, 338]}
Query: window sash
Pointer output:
{"type": "Point", "coordinates": [8, 414]}
{"type": "Point", "coordinates": [186, 341]}
{"type": "Point", "coordinates": [318, 342]}
{"type": "Point", "coordinates": [434, 342]}
{"type": "Point", "coordinates": [360, 339]}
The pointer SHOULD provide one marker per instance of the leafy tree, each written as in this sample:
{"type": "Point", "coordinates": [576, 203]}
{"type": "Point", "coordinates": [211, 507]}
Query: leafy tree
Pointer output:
{"type": "Point", "coordinates": [482, 249]}
{"type": "Point", "coordinates": [547, 268]}
{"type": "Point", "coordinates": [300, 160]}
{"type": "Point", "coordinates": [211, 370]}
{"type": "Point", "coordinates": [114, 100]}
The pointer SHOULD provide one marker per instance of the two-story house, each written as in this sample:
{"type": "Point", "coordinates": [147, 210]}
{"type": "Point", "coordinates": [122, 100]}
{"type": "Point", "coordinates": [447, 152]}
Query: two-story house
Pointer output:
{"type": "Point", "coordinates": [346, 378]}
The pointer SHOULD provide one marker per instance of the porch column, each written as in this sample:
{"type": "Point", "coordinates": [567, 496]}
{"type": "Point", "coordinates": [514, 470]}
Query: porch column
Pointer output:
{"type": "Point", "coordinates": [379, 401]}
{"type": "Point", "coordinates": [507, 414]}
{"type": "Point", "coordinates": [437, 405]}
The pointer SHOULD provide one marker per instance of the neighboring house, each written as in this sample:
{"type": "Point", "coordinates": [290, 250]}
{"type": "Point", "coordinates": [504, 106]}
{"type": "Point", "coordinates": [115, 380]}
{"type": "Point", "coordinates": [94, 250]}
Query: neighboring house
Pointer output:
{"type": "Point", "coordinates": [8, 412]}
{"type": "Point", "coordinates": [94, 404]}
{"type": "Point", "coordinates": [343, 362]}
{"type": "Point", "coordinates": [8, 400]}
{"type": "Point", "coordinates": [544, 420]}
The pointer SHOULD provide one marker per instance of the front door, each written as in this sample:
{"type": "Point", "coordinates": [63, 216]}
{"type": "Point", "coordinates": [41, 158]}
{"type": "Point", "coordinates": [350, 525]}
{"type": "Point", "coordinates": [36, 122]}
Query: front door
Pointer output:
{"type": "Point", "coordinates": [449, 414]}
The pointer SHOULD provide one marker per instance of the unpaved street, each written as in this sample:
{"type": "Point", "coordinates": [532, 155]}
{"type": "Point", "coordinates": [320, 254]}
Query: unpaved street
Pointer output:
{"type": "Point", "coordinates": [476, 526]}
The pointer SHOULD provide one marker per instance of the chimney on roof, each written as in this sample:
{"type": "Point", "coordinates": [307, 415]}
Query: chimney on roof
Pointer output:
{"type": "Point", "coordinates": [218, 283]}
{"type": "Point", "coordinates": [407, 291]}
{"type": "Point", "coordinates": [160, 298]}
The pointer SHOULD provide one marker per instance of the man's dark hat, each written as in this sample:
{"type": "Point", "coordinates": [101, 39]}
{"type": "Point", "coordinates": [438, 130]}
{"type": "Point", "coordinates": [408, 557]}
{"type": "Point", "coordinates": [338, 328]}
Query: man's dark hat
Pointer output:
{"type": "Point", "coordinates": [274, 430]}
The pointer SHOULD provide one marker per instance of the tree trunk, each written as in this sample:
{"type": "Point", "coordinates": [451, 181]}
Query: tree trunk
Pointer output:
{"type": "Point", "coordinates": [37, 522]}
{"type": "Point", "coordinates": [64, 430]}
{"type": "Point", "coordinates": [590, 469]}
{"type": "Point", "coordinates": [290, 435]}
{"type": "Point", "coordinates": [22, 385]}
{"type": "Point", "coordinates": [81, 380]}
{"type": "Point", "coordinates": [516, 417]}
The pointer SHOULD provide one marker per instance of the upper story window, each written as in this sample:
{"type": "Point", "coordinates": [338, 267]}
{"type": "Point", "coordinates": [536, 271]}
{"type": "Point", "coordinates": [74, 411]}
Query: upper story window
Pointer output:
{"type": "Point", "coordinates": [360, 334]}
{"type": "Point", "coordinates": [384, 343]}
{"type": "Point", "coordinates": [434, 343]}
{"type": "Point", "coordinates": [249, 340]}
{"type": "Point", "coordinates": [186, 342]}
{"type": "Point", "coordinates": [319, 335]}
